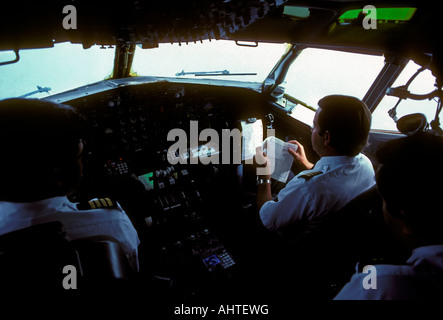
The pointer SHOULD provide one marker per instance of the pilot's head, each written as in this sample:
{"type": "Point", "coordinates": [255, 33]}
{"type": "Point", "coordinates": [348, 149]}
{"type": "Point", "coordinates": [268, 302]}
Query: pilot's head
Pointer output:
{"type": "Point", "coordinates": [409, 180]}
{"type": "Point", "coordinates": [41, 148]}
{"type": "Point", "coordinates": [341, 126]}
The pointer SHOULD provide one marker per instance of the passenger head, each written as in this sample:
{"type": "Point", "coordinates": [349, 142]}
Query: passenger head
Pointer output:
{"type": "Point", "coordinates": [343, 123]}
{"type": "Point", "coordinates": [409, 180]}
{"type": "Point", "coordinates": [41, 147]}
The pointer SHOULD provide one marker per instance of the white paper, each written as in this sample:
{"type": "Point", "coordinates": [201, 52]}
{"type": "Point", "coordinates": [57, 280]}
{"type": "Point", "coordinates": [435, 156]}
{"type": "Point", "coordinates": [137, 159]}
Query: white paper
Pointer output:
{"type": "Point", "coordinates": [281, 159]}
{"type": "Point", "coordinates": [252, 138]}
{"type": "Point", "coordinates": [275, 148]}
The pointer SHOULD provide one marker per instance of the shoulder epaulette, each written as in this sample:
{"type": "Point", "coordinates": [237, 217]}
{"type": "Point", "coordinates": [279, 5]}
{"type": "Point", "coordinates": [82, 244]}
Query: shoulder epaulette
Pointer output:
{"type": "Point", "coordinates": [102, 203]}
{"type": "Point", "coordinates": [310, 175]}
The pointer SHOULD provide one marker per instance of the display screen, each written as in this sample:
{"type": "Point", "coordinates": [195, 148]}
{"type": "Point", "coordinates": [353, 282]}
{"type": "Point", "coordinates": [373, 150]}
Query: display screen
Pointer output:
{"type": "Point", "coordinates": [211, 261]}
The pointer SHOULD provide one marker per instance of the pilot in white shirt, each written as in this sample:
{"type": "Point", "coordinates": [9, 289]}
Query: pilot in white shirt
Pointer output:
{"type": "Point", "coordinates": [340, 131]}
{"type": "Point", "coordinates": [332, 183]}
{"type": "Point", "coordinates": [111, 221]}
{"type": "Point", "coordinates": [41, 166]}
{"type": "Point", "coordinates": [420, 277]}
{"type": "Point", "coordinates": [412, 212]}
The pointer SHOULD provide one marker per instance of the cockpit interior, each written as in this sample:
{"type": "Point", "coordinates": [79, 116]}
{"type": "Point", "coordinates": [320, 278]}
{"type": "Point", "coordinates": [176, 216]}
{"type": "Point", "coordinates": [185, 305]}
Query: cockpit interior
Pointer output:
{"type": "Point", "coordinates": [193, 208]}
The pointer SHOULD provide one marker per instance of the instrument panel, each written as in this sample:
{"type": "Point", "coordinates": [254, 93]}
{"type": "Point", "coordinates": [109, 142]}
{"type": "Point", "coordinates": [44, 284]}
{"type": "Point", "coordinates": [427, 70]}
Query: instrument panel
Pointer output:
{"type": "Point", "coordinates": [178, 210]}
{"type": "Point", "coordinates": [128, 126]}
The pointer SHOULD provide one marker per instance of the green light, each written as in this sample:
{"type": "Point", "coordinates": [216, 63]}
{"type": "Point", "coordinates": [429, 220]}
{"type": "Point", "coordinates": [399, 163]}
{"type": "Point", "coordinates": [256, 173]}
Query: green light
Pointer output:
{"type": "Point", "coordinates": [147, 180]}
{"type": "Point", "coordinates": [387, 14]}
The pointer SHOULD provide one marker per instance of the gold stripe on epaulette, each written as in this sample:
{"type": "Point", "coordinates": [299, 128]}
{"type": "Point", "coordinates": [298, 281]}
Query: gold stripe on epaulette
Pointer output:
{"type": "Point", "coordinates": [310, 175]}
{"type": "Point", "coordinates": [92, 205]}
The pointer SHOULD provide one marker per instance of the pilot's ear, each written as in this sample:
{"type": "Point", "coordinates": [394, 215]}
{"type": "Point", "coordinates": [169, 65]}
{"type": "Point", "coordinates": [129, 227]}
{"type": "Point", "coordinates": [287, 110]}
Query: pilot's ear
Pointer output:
{"type": "Point", "coordinates": [326, 138]}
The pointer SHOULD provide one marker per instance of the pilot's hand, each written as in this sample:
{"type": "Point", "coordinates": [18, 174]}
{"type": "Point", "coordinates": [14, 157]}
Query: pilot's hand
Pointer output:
{"type": "Point", "coordinates": [263, 163]}
{"type": "Point", "coordinates": [300, 156]}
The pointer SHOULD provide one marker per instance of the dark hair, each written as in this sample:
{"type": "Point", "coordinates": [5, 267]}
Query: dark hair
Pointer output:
{"type": "Point", "coordinates": [35, 136]}
{"type": "Point", "coordinates": [409, 178]}
{"type": "Point", "coordinates": [30, 125]}
{"type": "Point", "coordinates": [348, 120]}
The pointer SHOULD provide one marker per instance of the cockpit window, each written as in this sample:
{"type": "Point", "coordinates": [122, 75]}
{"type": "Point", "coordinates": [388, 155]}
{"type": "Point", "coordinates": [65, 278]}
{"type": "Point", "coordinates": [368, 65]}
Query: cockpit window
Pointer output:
{"type": "Point", "coordinates": [41, 72]}
{"type": "Point", "coordinates": [424, 83]}
{"type": "Point", "coordinates": [316, 73]}
{"type": "Point", "coordinates": [221, 59]}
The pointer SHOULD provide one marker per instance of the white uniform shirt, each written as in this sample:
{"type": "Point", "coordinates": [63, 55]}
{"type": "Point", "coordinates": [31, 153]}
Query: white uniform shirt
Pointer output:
{"type": "Point", "coordinates": [77, 223]}
{"type": "Point", "coordinates": [339, 180]}
{"type": "Point", "coordinates": [420, 277]}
